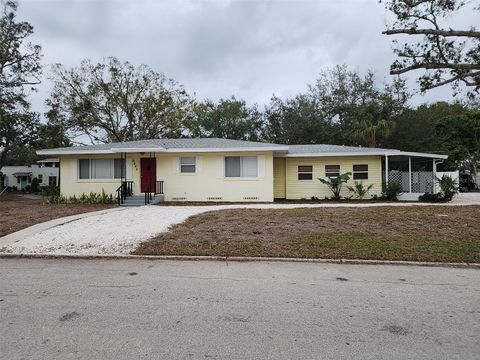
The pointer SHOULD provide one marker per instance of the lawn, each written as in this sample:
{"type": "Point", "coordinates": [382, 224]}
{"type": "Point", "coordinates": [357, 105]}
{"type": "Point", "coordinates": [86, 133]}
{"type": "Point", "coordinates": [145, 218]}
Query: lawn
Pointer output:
{"type": "Point", "coordinates": [420, 233]}
{"type": "Point", "coordinates": [18, 212]}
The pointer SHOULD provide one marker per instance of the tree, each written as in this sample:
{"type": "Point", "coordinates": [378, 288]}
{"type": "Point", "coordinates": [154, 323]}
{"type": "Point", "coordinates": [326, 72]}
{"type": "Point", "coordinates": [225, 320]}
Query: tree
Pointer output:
{"type": "Point", "coordinates": [114, 101]}
{"type": "Point", "coordinates": [415, 128]}
{"type": "Point", "coordinates": [19, 68]}
{"type": "Point", "coordinates": [298, 120]}
{"type": "Point", "coordinates": [229, 118]}
{"type": "Point", "coordinates": [448, 56]}
{"type": "Point", "coordinates": [460, 135]}
{"type": "Point", "coordinates": [341, 107]}
{"type": "Point", "coordinates": [371, 125]}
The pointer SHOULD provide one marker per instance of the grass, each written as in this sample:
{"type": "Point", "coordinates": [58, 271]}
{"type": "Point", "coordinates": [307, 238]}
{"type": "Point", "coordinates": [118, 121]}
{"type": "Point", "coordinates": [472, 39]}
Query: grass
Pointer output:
{"type": "Point", "coordinates": [420, 233]}
{"type": "Point", "coordinates": [18, 212]}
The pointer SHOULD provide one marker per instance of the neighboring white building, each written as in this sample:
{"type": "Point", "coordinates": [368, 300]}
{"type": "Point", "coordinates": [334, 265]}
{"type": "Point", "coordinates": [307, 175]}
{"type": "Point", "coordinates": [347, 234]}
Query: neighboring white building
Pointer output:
{"type": "Point", "coordinates": [19, 177]}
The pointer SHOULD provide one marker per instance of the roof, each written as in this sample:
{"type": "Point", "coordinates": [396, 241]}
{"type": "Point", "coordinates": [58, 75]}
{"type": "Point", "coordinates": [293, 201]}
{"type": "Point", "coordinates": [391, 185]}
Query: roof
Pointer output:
{"type": "Point", "coordinates": [224, 145]}
{"type": "Point", "coordinates": [48, 160]}
{"type": "Point", "coordinates": [313, 150]}
{"type": "Point", "coordinates": [22, 173]}
{"type": "Point", "coordinates": [168, 145]}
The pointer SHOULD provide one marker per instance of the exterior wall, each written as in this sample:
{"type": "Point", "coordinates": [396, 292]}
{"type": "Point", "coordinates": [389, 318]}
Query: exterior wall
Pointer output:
{"type": "Point", "coordinates": [305, 189]}
{"type": "Point", "coordinates": [279, 185]}
{"type": "Point", "coordinates": [208, 183]}
{"type": "Point", "coordinates": [70, 184]}
{"type": "Point", "coordinates": [11, 181]}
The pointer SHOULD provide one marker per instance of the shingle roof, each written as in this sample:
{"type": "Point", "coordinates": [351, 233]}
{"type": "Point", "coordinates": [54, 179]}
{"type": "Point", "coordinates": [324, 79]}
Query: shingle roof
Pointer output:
{"type": "Point", "coordinates": [218, 145]}
{"type": "Point", "coordinates": [166, 144]}
{"type": "Point", "coordinates": [332, 149]}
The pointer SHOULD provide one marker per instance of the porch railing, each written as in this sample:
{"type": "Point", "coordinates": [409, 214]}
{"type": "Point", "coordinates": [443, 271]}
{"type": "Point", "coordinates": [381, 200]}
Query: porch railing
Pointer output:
{"type": "Point", "coordinates": [159, 188]}
{"type": "Point", "coordinates": [124, 190]}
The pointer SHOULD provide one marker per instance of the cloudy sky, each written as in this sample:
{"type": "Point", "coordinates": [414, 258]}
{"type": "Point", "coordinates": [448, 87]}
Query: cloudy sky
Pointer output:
{"type": "Point", "coordinates": [216, 48]}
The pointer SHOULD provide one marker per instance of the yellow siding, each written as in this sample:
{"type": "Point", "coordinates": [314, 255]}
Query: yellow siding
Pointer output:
{"type": "Point", "coordinates": [305, 189]}
{"type": "Point", "coordinates": [279, 178]}
{"type": "Point", "coordinates": [207, 184]}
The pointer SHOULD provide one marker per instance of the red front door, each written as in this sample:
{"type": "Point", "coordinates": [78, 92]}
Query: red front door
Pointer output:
{"type": "Point", "coordinates": [148, 174]}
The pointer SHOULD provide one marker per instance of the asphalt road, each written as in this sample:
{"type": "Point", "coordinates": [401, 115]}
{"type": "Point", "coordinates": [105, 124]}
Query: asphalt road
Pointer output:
{"type": "Point", "coordinates": [129, 309]}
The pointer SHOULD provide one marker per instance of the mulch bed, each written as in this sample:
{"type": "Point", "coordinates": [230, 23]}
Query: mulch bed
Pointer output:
{"type": "Point", "coordinates": [419, 233]}
{"type": "Point", "coordinates": [17, 212]}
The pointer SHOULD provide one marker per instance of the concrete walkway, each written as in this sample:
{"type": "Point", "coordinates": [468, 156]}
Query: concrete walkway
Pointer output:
{"type": "Point", "coordinates": [118, 231]}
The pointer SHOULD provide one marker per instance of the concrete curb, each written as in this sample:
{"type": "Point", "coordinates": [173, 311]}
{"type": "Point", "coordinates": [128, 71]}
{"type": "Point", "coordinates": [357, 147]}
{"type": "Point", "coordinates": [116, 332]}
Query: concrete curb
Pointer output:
{"type": "Point", "coordinates": [240, 259]}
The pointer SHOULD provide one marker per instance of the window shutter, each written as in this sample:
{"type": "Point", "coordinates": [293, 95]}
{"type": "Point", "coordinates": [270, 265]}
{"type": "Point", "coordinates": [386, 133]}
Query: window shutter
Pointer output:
{"type": "Point", "coordinates": [261, 166]}
{"type": "Point", "coordinates": [176, 165]}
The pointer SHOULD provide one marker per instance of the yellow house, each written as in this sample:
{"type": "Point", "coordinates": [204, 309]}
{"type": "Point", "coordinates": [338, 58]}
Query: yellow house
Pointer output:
{"type": "Point", "coordinates": [211, 169]}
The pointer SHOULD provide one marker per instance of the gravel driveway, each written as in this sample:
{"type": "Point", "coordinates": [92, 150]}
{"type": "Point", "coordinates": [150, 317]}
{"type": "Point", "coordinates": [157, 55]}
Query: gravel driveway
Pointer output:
{"type": "Point", "coordinates": [119, 231]}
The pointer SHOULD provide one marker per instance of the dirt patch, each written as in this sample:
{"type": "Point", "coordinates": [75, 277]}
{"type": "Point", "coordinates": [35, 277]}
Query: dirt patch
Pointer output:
{"type": "Point", "coordinates": [384, 233]}
{"type": "Point", "coordinates": [17, 212]}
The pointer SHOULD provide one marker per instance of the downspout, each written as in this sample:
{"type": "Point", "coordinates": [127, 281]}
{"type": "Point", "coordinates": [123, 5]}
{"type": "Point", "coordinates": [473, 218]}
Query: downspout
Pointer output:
{"type": "Point", "coordinates": [386, 170]}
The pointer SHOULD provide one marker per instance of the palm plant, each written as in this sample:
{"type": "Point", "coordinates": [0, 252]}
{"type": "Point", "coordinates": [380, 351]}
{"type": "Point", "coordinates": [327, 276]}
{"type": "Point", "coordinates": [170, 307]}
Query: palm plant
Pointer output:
{"type": "Point", "coordinates": [359, 189]}
{"type": "Point", "coordinates": [335, 184]}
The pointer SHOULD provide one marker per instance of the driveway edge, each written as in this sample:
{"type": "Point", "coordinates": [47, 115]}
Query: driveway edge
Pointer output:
{"type": "Point", "coordinates": [240, 259]}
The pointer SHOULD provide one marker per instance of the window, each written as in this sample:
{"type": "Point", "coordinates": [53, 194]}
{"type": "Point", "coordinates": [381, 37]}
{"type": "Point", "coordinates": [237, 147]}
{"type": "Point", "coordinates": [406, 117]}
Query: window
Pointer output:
{"type": "Point", "coordinates": [241, 166]}
{"type": "Point", "coordinates": [101, 169]}
{"type": "Point", "coordinates": [40, 178]}
{"type": "Point", "coordinates": [305, 172]}
{"type": "Point", "coordinates": [52, 181]}
{"type": "Point", "coordinates": [187, 164]}
{"type": "Point", "coordinates": [332, 170]}
{"type": "Point", "coordinates": [360, 172]}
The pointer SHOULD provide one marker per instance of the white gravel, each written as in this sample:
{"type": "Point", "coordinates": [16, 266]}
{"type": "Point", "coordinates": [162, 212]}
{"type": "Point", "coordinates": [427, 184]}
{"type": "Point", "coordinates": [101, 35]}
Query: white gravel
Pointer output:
{"type": "Point", "coordinates": [119, 232]}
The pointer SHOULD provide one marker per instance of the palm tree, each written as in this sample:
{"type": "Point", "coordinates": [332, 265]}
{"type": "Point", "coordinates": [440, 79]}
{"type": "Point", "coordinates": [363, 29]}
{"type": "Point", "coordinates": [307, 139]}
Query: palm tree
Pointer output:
{"type": "Point", "coordinates": [371, 124]}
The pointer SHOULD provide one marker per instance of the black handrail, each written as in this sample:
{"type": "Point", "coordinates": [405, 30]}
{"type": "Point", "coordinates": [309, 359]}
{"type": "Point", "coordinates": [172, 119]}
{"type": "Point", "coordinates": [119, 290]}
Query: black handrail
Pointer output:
{"type": "Point", "coordinates": [120, 195]}
{"type": "Point", "coordinates": [124, 190]}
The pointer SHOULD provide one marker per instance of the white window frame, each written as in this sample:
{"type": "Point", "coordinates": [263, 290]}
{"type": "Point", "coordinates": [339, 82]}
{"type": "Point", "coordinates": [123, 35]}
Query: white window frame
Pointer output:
{"type": "Point", "coordinates": [91, 165]}
{"type": "Point", "coordinates": [194, 164]}
{"type": "Point", "coordinates": [242, 175]}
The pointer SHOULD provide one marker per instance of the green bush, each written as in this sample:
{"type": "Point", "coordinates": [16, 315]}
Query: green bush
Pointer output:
{"type": "Point", "coordinates": [391, 191]}
{"type": "Point", "coordinates": [359, 190]}
{"type": "Point", "coordinates": [35, 185]}
{"type": "Point", "coordinates": [437, 197]}
{"type": "Point", "coordinates": [335, 184]}
{"type": "Point", "coordinates": [91, 198]}
{"type": "Point", "coordinates": [448, 187]}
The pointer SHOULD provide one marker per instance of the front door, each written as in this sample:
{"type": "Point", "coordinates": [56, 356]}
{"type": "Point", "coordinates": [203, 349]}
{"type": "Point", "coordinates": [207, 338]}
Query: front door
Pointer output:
{"type": "Point", "coordinates": [148, 174]}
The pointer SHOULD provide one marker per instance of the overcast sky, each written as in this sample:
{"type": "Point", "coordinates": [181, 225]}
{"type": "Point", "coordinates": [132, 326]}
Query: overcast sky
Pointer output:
{"type": "Point", "coordinates": [251, 49]}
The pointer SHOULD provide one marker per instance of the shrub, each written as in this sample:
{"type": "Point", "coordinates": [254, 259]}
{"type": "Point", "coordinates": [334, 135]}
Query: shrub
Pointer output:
{"type": "Point", "coordinates": [392, 190]}
{"type": "Point", "coordinates": [448, 187]}
{"type": "Point", "coordinates": [437, 197]}
{"type": "Point", "coordinates": [91, 198]}
{"type": "Point", "coordinates": [335, 184]}
{"type": "Point", "coordinates": [35, 184]}
{"type": "Point", "coordinates": [359, 190]}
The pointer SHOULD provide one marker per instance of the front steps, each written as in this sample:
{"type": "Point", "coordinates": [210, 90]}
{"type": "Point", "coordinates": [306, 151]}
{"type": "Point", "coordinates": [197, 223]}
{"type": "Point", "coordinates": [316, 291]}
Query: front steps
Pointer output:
{"type": "Point", "coordinates": [139, 200]}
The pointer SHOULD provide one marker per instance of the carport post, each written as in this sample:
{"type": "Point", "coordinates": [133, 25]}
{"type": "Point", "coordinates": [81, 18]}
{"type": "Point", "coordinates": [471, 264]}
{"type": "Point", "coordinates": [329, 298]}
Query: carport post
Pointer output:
{"type": "Point", "coordinates": [434, 169]}
{"type": "Point", "coordinates": [386, 170]}
{"type": "Point", "coordinates": [410, 174]}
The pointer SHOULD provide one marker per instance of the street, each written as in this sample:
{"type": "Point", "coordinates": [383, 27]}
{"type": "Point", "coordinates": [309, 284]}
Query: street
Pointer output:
{"type": "Point", "coordinates": [143, 309]}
